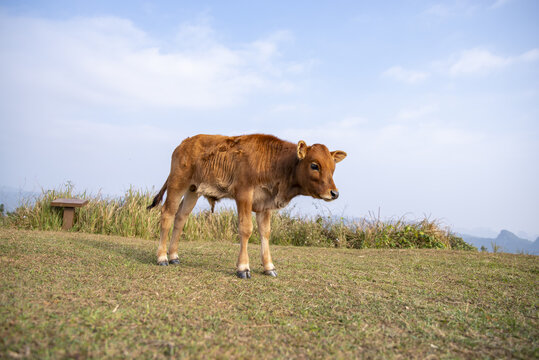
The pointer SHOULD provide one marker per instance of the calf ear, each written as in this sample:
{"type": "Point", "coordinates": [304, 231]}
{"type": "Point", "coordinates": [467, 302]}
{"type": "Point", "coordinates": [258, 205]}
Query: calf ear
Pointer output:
{"type": "Point", "coordinates": [302, 149]}
{"type": "Point", "coordinates": [338, 155]}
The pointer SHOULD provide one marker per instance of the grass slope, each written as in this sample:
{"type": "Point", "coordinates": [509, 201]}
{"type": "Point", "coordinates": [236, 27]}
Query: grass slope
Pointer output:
{"type": "Point", "coordinates": [72, 295]}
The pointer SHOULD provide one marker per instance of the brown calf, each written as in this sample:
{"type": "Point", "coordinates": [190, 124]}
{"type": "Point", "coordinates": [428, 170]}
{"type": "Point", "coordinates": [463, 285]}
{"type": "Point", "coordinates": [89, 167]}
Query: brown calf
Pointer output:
{"type": "Point", "coordinates": [260, 172]}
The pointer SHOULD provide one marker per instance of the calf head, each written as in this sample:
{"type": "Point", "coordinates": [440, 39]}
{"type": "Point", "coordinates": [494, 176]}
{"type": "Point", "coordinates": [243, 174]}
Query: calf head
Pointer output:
{"type": "Point", "coordinates": [315, 170]}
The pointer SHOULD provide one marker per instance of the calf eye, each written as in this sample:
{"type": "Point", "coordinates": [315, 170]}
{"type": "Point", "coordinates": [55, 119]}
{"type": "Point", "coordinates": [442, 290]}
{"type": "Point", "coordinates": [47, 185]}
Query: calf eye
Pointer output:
{"type": "Point", "coordinates": [315, 166]}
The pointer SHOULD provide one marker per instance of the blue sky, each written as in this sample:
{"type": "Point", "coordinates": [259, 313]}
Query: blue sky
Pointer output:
{"type": "Point", "coordinates": [435, 102]}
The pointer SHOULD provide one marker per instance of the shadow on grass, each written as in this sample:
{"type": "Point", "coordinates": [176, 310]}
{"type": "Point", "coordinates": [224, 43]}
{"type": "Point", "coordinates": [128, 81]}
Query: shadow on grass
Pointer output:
{"type": "Point", "coordinates": [143, 256]}
{"type": "Point", "coordinates": [129, 252]}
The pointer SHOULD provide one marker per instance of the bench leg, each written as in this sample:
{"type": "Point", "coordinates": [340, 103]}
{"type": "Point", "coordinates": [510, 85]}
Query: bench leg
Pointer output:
{"type": "Point", "coordinates": [69, 212]}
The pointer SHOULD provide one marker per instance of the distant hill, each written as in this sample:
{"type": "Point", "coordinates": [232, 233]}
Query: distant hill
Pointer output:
{"type": "Point", "coordinates": [506, 241]}
{"type": "Point", "coordinates": [13, 198]}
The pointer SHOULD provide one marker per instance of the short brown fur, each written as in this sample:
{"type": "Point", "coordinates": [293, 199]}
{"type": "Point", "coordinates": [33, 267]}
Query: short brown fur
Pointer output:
{"type": "Point", "coordinates": [260, 172]}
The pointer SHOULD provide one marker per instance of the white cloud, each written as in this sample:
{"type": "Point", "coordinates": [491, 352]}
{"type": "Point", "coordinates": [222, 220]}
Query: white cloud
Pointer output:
{"type": "Point", "coordinates": [119, 99]}
{"type": "Point", "coordinates": [477, 61]}
{"type": "Point", "coordinates": [352, 122]}
{"type": "Point", "coordinates": [452, 8]}
{"type": "Point", "coordinates": [392, 140]}
{"type": "Point", "coordinates": [416, 113]}
{"type": "Point", "coordinates": [291, 108]}
{"type": "Point", "coordinates": [131, 135]}
{"type": "Point", "coordinates": [529, 56]}
{"type": "Point", "coordinates": [401, 74]}
{"type": "Point", "coordinates": [499, 3]}
{"type": "Point", "coordinates": [481, 61]}
{"type": "Point", "coordinates": [440, 10]}
{"type": "Point", "coordinates": [109, 61]}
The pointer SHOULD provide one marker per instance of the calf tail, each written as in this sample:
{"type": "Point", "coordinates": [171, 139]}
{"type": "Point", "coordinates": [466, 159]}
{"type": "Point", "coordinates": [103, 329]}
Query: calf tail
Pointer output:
{"type": "Point", "coordinates": [157, 199]}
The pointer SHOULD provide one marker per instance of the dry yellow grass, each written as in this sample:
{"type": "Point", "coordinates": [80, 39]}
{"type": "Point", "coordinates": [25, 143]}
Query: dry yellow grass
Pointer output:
{"type": "Point", "coordinates": [127, 216]}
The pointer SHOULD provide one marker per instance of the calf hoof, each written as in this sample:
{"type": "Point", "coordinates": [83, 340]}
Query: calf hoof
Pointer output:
{"type": "Point", "coordinates": [245, 274]}
{"type": "Point", "coordinates": [272, 273]}
{"type": "Point", "coordinates": [174, 262]}
{"type": "Point", "coordinates": [163, 263]}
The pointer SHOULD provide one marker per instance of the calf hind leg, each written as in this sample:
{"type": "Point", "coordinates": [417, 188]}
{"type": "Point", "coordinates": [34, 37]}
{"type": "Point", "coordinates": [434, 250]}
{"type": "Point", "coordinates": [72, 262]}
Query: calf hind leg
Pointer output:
{"type": "Point", "coordinates": [188, 203]}
{"type": "Point", "coordinates": [168, 211]}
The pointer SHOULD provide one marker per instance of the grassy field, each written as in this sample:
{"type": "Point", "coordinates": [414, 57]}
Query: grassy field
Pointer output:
{"type": "Point", "coordinates": [73, 295]}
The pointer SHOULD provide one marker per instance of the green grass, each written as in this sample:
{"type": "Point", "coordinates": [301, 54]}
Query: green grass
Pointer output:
{"type": "Point", "coordinates": [75, 295]}
{"type": "Point", "coordinates": [127, 216]}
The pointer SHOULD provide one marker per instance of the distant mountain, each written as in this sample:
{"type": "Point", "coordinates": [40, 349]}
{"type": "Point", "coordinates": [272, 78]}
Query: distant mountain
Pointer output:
{"type": "Point", "coordinates": [535, 246]}
{"type": "Point", "coordinates": [506, 241]}
{"type": "Point", "coordinates": [13, 198]}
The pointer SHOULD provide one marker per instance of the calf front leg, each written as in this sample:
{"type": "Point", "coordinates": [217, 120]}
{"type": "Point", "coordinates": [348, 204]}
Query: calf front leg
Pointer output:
{"type": "Point", "coordinates": [244, 203]}
{"type": "Point", "coordinates": [263, 220]}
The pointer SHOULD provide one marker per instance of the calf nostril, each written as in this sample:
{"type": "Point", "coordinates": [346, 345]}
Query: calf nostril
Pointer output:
{"type": "Point", "coordinates": [334, 194]}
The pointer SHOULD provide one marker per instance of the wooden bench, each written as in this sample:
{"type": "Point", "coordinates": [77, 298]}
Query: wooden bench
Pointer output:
{"type": "Point", "coordinates": [69, 206]}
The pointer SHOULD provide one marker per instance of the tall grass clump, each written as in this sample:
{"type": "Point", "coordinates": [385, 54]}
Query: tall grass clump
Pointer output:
{"type": "Point", "coordinates": [127, 216]}
{"type": "Point", "coordinates": [369, 232]}
{"type": "Point", "coordinates": [123, 216]}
